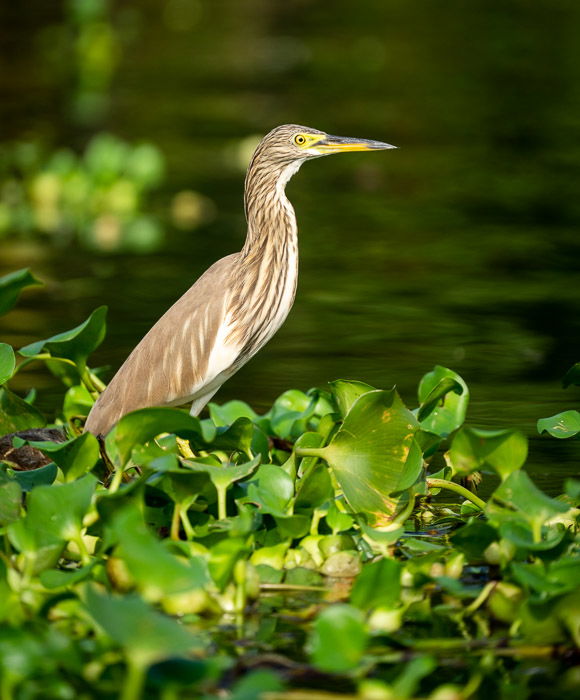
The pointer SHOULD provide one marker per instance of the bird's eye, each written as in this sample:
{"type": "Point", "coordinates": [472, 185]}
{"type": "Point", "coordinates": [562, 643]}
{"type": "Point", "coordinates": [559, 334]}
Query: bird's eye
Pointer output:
{"type": "Point", "coordinates": [299, 140]}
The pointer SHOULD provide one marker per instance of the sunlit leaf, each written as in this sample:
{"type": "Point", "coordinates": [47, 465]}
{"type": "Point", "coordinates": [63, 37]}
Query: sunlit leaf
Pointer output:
{"type": "Point", "coordinates": [7, 362]}
{"type": "Point", "coordinates": [76, 344]}
{"type": "Point", "coordinates": [562, 425]}
{"type": "Point", "coordinates": [504, 451]}
{"type": "Point", "coordinates": [443, 398]}
{"type": "Point", "coordinates": [146, 423]}
{"type": "Point", "coordinates": [11, 285]}
{"type": "Point", "coordinates": [373, 454]}
{"type": "Point", "coordinates": [346, 392]}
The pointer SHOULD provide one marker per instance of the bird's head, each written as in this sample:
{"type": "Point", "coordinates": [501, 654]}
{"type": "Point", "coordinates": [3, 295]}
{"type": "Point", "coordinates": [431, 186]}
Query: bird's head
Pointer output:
{"type": "Point", "coordinates": [294, 143]}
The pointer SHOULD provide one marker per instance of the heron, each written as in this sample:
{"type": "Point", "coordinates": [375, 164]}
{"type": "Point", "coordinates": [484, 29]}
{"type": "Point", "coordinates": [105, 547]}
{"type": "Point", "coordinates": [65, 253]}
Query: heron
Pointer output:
{"type": "Point", "coordinates": [238, 304]}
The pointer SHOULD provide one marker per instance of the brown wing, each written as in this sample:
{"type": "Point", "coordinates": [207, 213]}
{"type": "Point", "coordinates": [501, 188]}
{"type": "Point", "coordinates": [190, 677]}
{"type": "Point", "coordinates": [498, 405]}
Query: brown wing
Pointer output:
{"type": "Point", "coordinates": [170, 364]}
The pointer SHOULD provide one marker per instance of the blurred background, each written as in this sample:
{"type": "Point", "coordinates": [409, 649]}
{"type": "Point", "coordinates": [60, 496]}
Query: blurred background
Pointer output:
{"type": "Point", "coordinates": [126, 127]}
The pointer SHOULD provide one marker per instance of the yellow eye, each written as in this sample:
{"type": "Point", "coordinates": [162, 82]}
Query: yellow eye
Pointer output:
{"type": "Point", "coordinates": [299, 140]}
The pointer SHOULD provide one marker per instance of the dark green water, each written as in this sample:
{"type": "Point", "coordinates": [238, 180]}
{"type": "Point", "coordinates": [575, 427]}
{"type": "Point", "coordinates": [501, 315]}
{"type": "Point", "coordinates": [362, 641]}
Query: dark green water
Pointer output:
{"type": "Point", "coordinates": [460, 249]}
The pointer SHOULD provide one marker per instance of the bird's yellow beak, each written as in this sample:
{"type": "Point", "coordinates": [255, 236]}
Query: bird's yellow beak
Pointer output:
{"type": "Point", "coordinates": [342, 144]}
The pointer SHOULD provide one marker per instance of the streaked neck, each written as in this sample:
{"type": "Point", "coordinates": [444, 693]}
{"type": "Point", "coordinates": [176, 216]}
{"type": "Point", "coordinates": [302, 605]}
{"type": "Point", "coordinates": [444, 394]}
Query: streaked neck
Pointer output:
{"type": "Point", "coordinates": [269, 213]}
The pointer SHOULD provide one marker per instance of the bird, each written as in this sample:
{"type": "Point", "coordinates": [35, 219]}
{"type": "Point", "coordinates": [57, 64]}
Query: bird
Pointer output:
{"type": "Point", "coordinates": [237, 305]}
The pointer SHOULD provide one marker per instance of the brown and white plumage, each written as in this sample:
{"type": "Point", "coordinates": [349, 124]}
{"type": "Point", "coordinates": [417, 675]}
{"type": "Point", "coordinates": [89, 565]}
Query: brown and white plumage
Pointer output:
{"type": "Point", "coordinates": [237, 305]}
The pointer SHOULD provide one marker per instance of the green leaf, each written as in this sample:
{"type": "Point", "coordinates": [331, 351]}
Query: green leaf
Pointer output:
{"type": "Point", "coordinates": [77, 402]}
{"type": "Point", "coordinates": [76, 344]}
{"type": "Point", "coordinates": [272, 489]}
{"type": "Point", "coordinates": [11, 285]}
{"type": "Point", "coordinates": [30, 479]}
{"type": "Point", "coordinates": [74, 457]}
{"type": "Point", "coordinates": [378, 584]}
{"type": "Point", "coordinates": [504, 451]}
{"type": "Point", "coordinates": [443, 398]}
{"type": "Point", "coordinates": [339, 639]}
{"type": "Point", "coordinates": [290, 413]}
{"type": "Point", "coordinates": [54, 516]}
{"type": "Point", "coordinates": [229, 412]}
{"type": "Point", "coordinates": [146, 423]}
{"type": "Point", "coordinates": [16, 414]}
{"type": "Point", "coordinates": [144, 634]}
{"type": "Point", "coordinates": [7, 362]}
{"type": "Point", "coordinates": [562, 425]}
{"type": "Point", "coordinates": [55, 578]}
{"type": "Point", "coordinates": [373, 454]}
{"type": "Point", "coordinates": [157, 572]}
{"type": "Point", "coordinates": [10, 500]}
{"type": "Point", "coordinates": [518, 498]}
{"type": "Point", "coordinates": [223, 558]}
{"type": "Point", "coordinates": [346, 392]}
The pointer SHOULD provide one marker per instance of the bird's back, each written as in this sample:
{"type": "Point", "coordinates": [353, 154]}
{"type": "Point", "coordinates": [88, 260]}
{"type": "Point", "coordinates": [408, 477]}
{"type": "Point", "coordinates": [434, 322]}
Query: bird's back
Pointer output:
{"type": "Point", "coordinates": [171, 363]}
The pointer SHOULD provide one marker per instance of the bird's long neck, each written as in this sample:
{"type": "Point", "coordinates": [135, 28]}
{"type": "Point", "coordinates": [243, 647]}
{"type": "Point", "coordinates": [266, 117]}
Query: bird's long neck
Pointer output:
{"type": "Point", "coordinates": [270, 216]}
{"type": "Point", "coordinates": [268, 265]}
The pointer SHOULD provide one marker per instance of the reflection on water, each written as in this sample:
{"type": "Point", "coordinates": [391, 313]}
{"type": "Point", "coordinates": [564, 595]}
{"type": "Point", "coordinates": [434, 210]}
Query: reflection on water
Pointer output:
{"type": "Point", "coordinates": [459, 249]}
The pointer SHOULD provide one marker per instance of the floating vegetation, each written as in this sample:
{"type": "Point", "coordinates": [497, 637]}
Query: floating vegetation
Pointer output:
{"type": "Point", "coordinates": [330, 543]}
{"type": "Point", "coordinates": [98, 196]}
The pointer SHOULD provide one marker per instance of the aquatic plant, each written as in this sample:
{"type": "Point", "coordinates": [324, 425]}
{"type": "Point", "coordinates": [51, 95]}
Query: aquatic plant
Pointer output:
{"type": "Point", "coordinates": [313, 546]}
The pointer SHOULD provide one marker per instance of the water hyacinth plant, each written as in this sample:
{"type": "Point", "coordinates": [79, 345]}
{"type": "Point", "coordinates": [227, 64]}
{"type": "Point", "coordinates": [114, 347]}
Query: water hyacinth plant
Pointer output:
{"type": "Point", "coordinates": [329, 543]}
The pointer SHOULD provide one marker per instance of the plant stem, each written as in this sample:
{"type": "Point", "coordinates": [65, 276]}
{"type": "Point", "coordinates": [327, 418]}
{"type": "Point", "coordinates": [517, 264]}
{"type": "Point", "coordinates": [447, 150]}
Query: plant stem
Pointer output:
{"type": "Point", "coordinates": [134, 681]}
{"type": "Point", "coordinates": [221, 494]}
{"type": "Point", "coordinates": [116, 480]}
{"type": "Point", "coordinates": [82, 547]}
{"type": "Point", "coordinates": [310, 451]}
{"type": "Point", "coordinates": [175, 521]}
{"type": "Point", "coordinates": [457, 488]}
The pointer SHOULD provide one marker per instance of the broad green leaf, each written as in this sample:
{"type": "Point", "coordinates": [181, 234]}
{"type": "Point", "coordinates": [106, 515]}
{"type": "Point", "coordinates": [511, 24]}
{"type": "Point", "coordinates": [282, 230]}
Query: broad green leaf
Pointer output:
{"type": "Point", "coordinates": [7, 362]}
{"type": "Point", "coordinates": [156, 571]}
{"type": "Point", "coordinates": [146, 423]}
{"type": "Point", "coordinates": [31, 478]}
{"type": "Point", "coordinates": [504, 451]}
{"type": "Point", "coordinates": [145, 634]}
{"type": "Point", "coordinates": [76, 344]}
{"type": "Point", "coordinates": [229, 412]}
{"type": "Point", "coordinates": [74, 457]}
{"type": "Point", "coordinates": [54, 516]}
{"type": "Point", "coordinates": [258, 684]}
{"type": "Point", "coordinates": [223, 558]}
{"type": "Point", "coordinates": [11, 285]}
{"type": "Point", "coordinates": [572, 376]}
{"type": "Point", "coordinates": [373, 455]}
{"type": "Point", "coordinates": [16, 414]}
{"type": "Point", "coordinates": [237, 436]}
{"type": "Point", "coordinates": [378, 584]}
{"type": "Point", "coordinates": [290, 413]}
{"type": "Point", "coordinates": [10, 500]}
{"type": "Point", "coordinates": [272, 489]}
{"type": "Point", "coordinates": [519, 499]}
{"type": "Point", "coordinates": [346, 392]}
{"type": "Point", "coordinates": [562, 425]}
{"type": "Point", "coordinates": [443, 398]}
{"type": "Point", "coordinates": [339, 639]}
{"type": "Point", "coordinates": [222, 475]}
{"type": "Point", "coordinates": [77, 402]}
